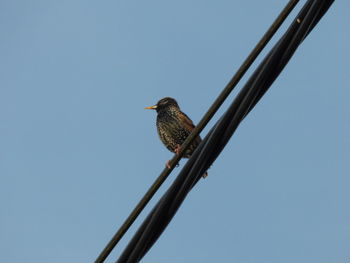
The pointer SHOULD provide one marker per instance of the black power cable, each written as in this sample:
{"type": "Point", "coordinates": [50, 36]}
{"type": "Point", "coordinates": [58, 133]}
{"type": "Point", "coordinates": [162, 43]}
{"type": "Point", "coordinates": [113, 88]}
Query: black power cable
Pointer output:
{"type": "Point", "coordinates": [217, 138]}
{"type": "Point", "coordinates": [204, 121]}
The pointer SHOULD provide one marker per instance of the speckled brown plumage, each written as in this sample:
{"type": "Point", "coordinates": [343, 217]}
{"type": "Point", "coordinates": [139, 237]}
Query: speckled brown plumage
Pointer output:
{"type": "Point", "coordinates": [174, 126]}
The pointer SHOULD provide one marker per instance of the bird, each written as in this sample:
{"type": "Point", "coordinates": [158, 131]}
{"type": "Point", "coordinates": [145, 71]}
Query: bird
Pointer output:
{"type": "Point", "coordinates": [173, 127]}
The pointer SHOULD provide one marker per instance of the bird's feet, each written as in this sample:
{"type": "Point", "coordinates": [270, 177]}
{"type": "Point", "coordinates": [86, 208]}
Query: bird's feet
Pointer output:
{"type": "Point", "coordinates": [167, 164]}
{"type": "Point", "coordinates": [177, 149]}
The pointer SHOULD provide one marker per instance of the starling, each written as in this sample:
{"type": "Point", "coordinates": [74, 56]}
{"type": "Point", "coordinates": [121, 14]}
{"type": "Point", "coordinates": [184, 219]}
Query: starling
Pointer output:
{"type": "Point", "coordinates": [174, 127]}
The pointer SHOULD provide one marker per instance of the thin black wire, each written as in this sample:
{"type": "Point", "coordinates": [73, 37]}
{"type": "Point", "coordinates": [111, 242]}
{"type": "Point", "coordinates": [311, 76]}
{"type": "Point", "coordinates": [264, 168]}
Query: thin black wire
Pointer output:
{"type": "Point", "coordinates": [217, 138]}
{"type": "Point", "coordinates": [204, 121]}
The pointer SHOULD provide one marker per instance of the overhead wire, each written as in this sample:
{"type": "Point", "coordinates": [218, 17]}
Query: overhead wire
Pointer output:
{"type": "Point", "coordinates": [219, 135]}
{"type": "Point", "coordinates": [199, 127]}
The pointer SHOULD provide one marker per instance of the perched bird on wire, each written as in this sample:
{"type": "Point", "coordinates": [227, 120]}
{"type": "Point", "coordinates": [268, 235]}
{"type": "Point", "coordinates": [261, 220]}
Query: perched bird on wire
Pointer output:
{"type": "Point", "coordinates": [174, 127]}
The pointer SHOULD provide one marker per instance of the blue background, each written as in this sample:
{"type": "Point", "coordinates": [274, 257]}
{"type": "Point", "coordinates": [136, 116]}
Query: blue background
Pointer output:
{"type": "Point", "coordinates": [78, 150]}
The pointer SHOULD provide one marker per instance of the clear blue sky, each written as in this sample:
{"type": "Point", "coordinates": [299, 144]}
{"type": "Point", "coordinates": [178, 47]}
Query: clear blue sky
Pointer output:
{"type": "Point", "coordinates": [78, 150]}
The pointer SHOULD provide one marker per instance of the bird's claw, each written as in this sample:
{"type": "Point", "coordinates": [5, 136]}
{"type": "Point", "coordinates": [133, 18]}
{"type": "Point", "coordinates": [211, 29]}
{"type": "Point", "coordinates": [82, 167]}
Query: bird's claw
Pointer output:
{"type": "Point", "coordinates": [167, 164]}
{"type": "Point", "coordinates": [177, 149]}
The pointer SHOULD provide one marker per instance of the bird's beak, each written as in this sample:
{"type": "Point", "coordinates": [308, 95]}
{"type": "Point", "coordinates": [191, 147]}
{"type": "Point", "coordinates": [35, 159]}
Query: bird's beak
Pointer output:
{"type": "Point", "coordinates": [151, 107]}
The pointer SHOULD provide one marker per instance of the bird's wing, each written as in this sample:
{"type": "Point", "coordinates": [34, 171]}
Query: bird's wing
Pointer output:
{"type": "Point", "coordinates": [186, 121]}
{"type": "Point", "coordinates": [189, 126]}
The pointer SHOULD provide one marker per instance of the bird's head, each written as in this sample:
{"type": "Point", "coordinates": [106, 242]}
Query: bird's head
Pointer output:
{"type": "Point", "coordinates": [164, 104]}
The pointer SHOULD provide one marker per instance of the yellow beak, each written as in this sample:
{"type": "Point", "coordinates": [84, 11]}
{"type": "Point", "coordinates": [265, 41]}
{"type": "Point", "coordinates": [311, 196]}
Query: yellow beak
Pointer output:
{"type": "Point", "coordinates": [151, 107]}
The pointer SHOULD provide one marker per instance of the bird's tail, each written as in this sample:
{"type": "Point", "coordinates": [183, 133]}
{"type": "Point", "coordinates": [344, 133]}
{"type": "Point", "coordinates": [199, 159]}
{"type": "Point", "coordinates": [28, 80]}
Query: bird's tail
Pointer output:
{"type": "Point", "coordinates": [205, 175]}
